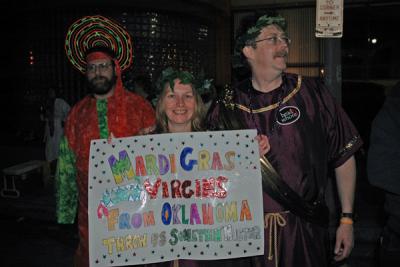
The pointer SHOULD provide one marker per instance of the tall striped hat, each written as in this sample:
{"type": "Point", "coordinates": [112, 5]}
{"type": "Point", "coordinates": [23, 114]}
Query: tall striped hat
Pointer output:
{"type": "Point", "coordinates": [91, 31]}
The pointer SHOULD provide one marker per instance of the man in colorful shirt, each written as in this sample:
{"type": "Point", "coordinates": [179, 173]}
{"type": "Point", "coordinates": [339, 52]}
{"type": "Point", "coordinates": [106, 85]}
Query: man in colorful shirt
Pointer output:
{"type": "Point", "coordinates": [109, 111]}
{"type": "Point", "coordinates": [308, 132]}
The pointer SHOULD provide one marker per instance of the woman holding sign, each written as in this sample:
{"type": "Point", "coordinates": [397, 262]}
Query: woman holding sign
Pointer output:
{"type": "Point", "coordinates": [180, 108]}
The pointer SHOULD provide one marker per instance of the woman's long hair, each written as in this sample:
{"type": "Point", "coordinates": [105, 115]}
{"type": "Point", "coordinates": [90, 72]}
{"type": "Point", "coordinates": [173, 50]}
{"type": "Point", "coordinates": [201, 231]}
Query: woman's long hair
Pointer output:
{"type": "Point", "coordinates": [198, 115]}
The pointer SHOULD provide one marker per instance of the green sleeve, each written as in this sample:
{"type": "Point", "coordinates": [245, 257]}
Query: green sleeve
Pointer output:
{"type": "Point", "coordinates": [66, 187]}
{"type": "Point", "coordinates": [101, 106]}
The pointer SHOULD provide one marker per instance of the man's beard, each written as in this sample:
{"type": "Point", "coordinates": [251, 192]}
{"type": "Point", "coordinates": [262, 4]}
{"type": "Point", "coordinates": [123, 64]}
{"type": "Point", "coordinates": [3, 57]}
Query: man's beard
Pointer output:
{"type": "Point", "coordinates": [100, 85]}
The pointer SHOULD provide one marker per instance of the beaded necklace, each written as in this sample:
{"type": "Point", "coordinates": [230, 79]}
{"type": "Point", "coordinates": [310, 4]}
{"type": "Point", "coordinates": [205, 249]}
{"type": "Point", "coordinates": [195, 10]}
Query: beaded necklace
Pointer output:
{"type": "Point", "coordinates": [275, 125]}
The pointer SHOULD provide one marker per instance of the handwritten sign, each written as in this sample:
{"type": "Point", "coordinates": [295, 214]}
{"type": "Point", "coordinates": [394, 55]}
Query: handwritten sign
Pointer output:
{"type": "Point", "coordinates": [329, 18]}
{"type": "Point", "coordinates": [162, 197]}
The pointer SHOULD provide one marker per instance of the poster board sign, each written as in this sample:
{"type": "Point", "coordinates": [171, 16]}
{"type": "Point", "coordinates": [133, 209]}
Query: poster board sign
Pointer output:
{"type": "Point", "coordinates": [329, 18]}
{"type": "Point", "coordinates": [163, 197]}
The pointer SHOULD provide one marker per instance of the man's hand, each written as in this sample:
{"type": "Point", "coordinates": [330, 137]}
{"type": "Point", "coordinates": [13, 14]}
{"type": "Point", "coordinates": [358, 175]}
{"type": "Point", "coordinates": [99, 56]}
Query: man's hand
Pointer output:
{"type": "Point", "coordinates": [344, 241]}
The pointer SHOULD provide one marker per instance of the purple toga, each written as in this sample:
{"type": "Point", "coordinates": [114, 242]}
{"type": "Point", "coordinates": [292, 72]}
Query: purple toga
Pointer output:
{"type": "Point", "coordinates": [310, 135]}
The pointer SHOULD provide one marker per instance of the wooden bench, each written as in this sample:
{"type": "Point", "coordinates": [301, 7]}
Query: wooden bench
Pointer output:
{"type": "Point", "coordinates": [20, 170]}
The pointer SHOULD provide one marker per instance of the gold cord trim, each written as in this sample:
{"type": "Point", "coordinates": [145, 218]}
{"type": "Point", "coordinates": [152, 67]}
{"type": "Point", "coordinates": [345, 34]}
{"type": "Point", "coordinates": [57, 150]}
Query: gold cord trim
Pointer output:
{"type": "Point", "coordinates": [275, 105]}
{"type": "Point", "coordinates": [272, 221]}
{"type": "Point", "coordinates": [349, 145]}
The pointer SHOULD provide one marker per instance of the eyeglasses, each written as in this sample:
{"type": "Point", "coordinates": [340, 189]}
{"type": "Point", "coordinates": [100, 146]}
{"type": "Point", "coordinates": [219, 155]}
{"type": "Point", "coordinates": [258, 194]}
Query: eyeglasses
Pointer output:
{"type": "Point", "coordinates": [273, 40]}
{"type": "Point", "coordinates": [102, 67]}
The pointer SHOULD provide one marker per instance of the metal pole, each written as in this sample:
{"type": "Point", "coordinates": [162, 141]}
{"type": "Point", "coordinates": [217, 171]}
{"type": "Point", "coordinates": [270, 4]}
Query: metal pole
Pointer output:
{"type": "Point", "coordinates": [333, 66]}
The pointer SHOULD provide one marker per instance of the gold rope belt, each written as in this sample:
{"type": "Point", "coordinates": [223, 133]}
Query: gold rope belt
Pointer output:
{"type": "Point", "coordinates": [272, 220]}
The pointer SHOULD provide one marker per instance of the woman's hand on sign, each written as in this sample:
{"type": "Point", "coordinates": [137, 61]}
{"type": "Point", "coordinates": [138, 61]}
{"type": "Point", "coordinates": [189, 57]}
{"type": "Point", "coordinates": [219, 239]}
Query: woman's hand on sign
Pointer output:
{"type": "Point", "coordinates": [263, 144]}
{"type": "Point", "coordinates": [148, 130]}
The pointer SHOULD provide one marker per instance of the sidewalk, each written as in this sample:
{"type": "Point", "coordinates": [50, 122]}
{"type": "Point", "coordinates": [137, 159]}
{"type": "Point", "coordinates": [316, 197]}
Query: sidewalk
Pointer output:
{"type": "Point", "coordinates": [31, 234]}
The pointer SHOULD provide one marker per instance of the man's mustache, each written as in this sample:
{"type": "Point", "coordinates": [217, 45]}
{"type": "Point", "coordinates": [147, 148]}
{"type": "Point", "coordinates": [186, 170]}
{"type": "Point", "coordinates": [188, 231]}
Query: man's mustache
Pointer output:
{"type": "Point", "coordinates": [98, 78]}
{"type": "Point", "coordinates": [281, 54]}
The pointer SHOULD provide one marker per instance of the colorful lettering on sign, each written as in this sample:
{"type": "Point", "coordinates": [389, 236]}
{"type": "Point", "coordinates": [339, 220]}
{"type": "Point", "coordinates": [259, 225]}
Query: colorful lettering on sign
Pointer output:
{"type": "Point", "coordinates": [204, 188]}
{"type": "Point", "coordinates": [130, 192]}
{"type": "Point", "coordinates": [150, 164]}
{"type": "Point", "coordinates": [121, 168]}
{"type": "Point", "coordinates": [127, 221]}
{"type": "Point", "coordinates": [222, 212]}
{"type": "Point", "coordinates": [121, 244]}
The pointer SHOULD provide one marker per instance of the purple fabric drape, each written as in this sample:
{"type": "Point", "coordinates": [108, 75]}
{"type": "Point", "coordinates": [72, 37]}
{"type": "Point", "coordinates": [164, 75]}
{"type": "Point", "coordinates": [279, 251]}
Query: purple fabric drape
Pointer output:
{"type": "Point", "coordinates": [309, 134]}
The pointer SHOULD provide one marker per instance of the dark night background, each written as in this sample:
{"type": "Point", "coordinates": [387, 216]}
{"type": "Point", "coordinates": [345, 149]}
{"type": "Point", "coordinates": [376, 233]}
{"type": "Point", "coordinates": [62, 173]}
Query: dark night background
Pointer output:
{"type": "Point", "coordinates": [368, 69]}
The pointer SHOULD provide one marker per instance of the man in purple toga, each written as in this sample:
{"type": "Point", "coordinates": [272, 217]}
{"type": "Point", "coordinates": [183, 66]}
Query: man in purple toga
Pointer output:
{"type": "Point", "coordinates": [309, 134]}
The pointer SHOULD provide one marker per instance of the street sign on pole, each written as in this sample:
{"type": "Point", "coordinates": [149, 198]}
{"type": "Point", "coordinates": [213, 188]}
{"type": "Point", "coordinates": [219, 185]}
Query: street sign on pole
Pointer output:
{"type": "Point", "coordinates": [329, 19]}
